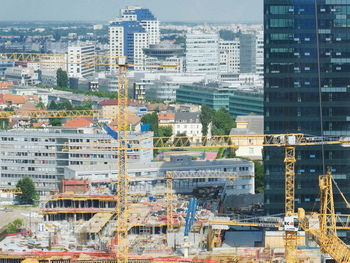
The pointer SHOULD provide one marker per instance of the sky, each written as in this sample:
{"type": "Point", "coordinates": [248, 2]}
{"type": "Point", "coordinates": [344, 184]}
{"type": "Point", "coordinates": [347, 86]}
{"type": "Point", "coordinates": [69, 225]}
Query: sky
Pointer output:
{"type": "Point", "coordinates": [105, 10]}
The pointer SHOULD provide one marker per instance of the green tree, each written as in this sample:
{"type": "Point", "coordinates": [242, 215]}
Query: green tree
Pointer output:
{"type": "Point", "coordinates": [52, 105]}
{"type": "Point", "coordinates": [165, 131]}
{"type": "Point", "coordinates": [206, 117]}
{"type": "Point", "coordinates": [55, 122]}
{"type": "Point", "coordinates": [40, 104]}
{"type": "Point", "coordinates": [259, 177]}
{"type": "Point", "coordinates": [64, 105]}
{"type": "Point", "coordinates": [220, 153]}
{"type": "Point", "coordinates": [86, 105]}
{"type": "Point", "coordinates": [14, 226]}
{"type": "Point", "coordinates": [152, 120]}
{"type": "Point", "coordinates": [222, 122]}
{"type": "Point", "coordinates": [28, 194]}
{"type": "Point", "coordinates": [62, 78]}
{"type": "Point", "coordinates": [4, 124]}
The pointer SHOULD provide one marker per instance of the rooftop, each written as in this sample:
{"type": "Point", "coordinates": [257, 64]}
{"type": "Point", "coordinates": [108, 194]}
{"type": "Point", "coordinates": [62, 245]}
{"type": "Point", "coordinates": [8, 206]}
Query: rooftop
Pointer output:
{"type": "Point", "coordinates": [187, 117]}
{"type": "Point", "coordinates": [249, 125]}
{"type": "Point", "coordinates": [79, 122]}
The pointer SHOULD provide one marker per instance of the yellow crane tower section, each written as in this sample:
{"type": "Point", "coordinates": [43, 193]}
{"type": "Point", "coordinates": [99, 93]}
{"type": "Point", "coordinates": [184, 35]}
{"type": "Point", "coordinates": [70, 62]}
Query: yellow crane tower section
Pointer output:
{"type": "Point", "coordinates": [325, 231]}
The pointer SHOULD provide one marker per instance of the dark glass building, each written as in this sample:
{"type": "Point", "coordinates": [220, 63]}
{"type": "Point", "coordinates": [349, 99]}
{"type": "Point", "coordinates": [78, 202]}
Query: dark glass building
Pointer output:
{"type": "Point", "coordinates": [307, 90]}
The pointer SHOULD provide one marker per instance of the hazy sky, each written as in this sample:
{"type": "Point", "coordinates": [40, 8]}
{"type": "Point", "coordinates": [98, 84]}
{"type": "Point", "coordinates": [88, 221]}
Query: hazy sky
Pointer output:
{"type": "Point", "coordinates": [105, 10]}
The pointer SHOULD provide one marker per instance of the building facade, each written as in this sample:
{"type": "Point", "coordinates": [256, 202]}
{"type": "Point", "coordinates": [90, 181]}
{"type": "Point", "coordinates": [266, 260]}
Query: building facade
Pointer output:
{"type": "Point", "coordinates": [212, 95]}
{"type": "Point", "coordinates": [229, 56]}
{"type": "Point", "coordinates": [81, 59]}
{"type": "Point", "coordinates": [248, 53]}
{"type": "Point", "coordinates": [153, 174]}
{"type": "Point", "coordinates": [202, 52]}
{"type": "Point", "coordinates": [246, 102]}
{"type": "Point", "coordinates": [135, 30]}
{"type": "Point", "coordinates": [306, 91]}
{"type": "Point", "coordinates": [43, 155]}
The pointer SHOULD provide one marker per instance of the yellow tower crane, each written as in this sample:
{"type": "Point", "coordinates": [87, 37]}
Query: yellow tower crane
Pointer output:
{"type": "Point", "coordinates": [322, 227]}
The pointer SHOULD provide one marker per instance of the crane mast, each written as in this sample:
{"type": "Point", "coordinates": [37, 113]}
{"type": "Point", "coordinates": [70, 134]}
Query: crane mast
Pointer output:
{"type": "Point", "coordinates": [122, 180]}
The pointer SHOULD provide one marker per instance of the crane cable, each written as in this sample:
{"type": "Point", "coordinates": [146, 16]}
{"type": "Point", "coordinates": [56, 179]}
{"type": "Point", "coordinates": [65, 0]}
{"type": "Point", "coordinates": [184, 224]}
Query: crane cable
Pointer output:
{"type": "Point", "coordinates": [341, 193]}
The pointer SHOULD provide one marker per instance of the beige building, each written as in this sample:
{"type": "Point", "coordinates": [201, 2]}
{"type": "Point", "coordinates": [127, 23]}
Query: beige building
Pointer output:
{"type": "Point", "coordinates": [51, 63]}
{"type": "Point", "coordinates": [249, 125]}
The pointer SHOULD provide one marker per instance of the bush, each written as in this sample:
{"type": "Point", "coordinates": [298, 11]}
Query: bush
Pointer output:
{"type": "Point", "coordinates": [15, 226]}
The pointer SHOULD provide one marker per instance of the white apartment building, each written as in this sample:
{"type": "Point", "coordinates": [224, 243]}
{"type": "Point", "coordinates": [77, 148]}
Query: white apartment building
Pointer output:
{"type": "Point", "coordinates": [188, 124]}
{"type": "Point", "coordinates": [152, 28]}
{"type": "Point", "coordinates": [135, 30]}
{"type": "Point", "coordinates": [51, 63]}
{"type": "Point", "coordinates": [141, 41]}
{"type": "Point", "coordinates": [202, 52]}
{"type": "Point", "coordinates": [229, 56]}
{"type": "Point", "coordinates": [81, 58]}
{"type": "Point", "coordinates": [146, 19]}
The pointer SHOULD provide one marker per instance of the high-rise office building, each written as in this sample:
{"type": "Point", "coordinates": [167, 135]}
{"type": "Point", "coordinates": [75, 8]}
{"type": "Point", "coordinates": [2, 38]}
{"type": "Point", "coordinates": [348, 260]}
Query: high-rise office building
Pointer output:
{"type": "Point", "coordinates": [252, 52]}
{"type": "Point", "coordinates": [135, 30]}
{"type": "Point", "coordinates": [248, 53]}
{"type": "Point", "coordinates": [202, 52]}
{"type": "Point", "coordinates": [307, 90]}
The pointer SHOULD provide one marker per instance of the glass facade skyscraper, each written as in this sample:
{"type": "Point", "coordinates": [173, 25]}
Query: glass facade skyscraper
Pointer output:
{"type": "Point", "coordinates": [307, 90]}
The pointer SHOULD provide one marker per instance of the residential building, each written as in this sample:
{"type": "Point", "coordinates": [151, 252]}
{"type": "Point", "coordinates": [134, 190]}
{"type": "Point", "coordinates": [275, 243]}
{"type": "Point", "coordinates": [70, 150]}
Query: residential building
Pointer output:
{"type": "Point", "coordinates": [188, 124]}
{"type": "Point", "coordinates": [152, 174]}
{"type": "Point", "coordinates": [202, 53]}
{"type": "Point", "coordinates": [11, 101]}
{"type": "Point", "coordinates": [246, 102]}
{"type": "Point", "coordinates": [81, 59]}
{"type": "Point", "coordinates": [166, 119]}
{"type": "Point", "coordinates": [134, 31]}
{"type": "Point", "coordinates": [146, 19]}
{"type": "Point", "coordinates": [230, 55]}
{"type": "Point", "coordinates": [249, 125]}
{"type": "Point", "coordinates": [306, 91]}
{"type": "Point", "coordinates": [43, 154]}
{"type": "Point", "coordinates": [128, 38]}
{"type": "Point", "coordinates": [211, 94]}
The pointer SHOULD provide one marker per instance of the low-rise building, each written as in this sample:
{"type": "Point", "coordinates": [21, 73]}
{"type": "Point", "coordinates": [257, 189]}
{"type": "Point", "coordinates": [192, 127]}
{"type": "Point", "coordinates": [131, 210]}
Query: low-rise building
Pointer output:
{"type": "Point", "coordinates": [153, 175]}
{"type": "Point", "coordinates": [166, 119]}
{"type": "Point", "coordinates": [188, 124]}
{"type": "Point", "coordinates": [246, 102]}
{"type": "Point", "coordinates": [213, 95]}
{"type": "Point", "coordinates": [43, 154]}
{"type": "Point", "coordinates": [249, 125]}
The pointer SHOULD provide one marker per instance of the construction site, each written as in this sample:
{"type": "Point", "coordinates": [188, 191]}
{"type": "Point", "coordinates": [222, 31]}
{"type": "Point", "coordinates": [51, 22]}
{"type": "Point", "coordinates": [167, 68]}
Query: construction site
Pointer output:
{"type": "Point", "coordinates": [110, 223]}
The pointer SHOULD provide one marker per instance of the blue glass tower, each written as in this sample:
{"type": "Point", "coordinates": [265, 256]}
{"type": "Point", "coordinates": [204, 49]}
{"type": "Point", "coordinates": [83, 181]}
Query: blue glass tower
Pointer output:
{"type": "Point", "coordinates": [307, 90]}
